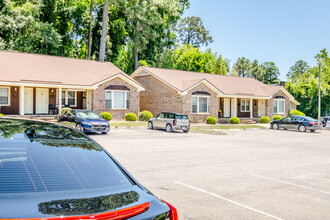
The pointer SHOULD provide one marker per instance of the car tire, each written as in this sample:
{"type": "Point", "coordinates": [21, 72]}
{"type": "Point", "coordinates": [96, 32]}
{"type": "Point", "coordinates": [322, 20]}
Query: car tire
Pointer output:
{"type": "Point", "coordinates": [169, 128]}
{"type": "Point", "coordinates": [79, 127]}
{"type": "Point", "coordinates": [185, 131]}
{"type": "Point", "coordinates": [104, 132]}
{"type": "Point", "coordinates": [275, 126]}
{"type": "Point", "coordinates": [313, 130]}
{"type": "Point", "coordinates": [302, 128]}
{"type": "Point", "coordinates": [150, 125]}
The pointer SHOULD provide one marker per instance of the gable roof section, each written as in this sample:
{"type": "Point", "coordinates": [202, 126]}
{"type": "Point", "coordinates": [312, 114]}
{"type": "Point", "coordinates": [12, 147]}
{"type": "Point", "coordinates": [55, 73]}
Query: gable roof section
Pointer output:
{"type": "Point", "coordinates": [226, 85]}
{"type": "Point", "coordinates": [25, 68]}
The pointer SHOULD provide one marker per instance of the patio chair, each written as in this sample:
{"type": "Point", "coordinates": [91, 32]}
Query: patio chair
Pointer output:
{"type": "Point", "coordinates": [51, 109]}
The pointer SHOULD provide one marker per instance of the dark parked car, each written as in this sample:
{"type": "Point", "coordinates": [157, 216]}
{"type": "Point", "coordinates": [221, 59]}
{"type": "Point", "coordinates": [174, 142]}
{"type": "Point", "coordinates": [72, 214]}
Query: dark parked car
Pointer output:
{"type": "Point", "coordinates": [49, 171]}
{"type": "Point", "coordinates": [300, 123]}
{"type": "Point", "coordinates": [170, 121]}
{"type": "Point", "coordinates": [86, 121]}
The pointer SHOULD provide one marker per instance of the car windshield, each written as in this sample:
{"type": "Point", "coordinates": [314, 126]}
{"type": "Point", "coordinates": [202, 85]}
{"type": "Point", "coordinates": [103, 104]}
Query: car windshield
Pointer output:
{"type": "Point", "coordinates": [181, 117]}
{"type": "Point", "coordinates": [86, 114]}
{"type": "Point", "coordinates": [35, 164]}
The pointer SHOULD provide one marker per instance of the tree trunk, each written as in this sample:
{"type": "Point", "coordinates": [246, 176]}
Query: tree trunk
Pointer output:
{"type": "Point", "coordinates": [136, 60]}
{"type": "Point", "coordinates": [90, 32]}
{"type": "Point", "coordinates": [104, 30]}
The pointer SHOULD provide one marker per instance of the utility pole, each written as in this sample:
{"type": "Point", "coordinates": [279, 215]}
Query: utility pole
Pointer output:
{"type": "Point", "coordinates": [319, 113]}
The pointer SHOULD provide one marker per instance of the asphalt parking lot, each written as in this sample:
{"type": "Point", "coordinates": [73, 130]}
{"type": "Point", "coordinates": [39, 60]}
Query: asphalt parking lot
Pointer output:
{"type": "Point", "coordinates": [252, 174]}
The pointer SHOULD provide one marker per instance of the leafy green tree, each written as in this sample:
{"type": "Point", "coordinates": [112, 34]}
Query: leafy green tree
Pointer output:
{"type": "Point", "coordinates": [20, 29]}
{"type": "Point", "coordinates": [305, 87]}
{"type": "Point", "coordinates": [298, 69]}
{"type": "Point", "coordinates": [243, 67]}
{"type": "Point", "coordinates": [144, 16]}
{"type": "Point", "coordinates": [192, 31]}
{"type": "Point", "coordinates": [257, 71]}
{"type": "Point", "coordinates": [271, 73]}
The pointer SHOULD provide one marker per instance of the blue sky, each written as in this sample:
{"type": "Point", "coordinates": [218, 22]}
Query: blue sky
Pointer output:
{"type": "Point", "coordinates": [282, 31]}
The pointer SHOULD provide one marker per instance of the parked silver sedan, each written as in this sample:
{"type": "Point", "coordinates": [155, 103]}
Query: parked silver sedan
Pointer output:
{"type": "Point", "coordinates": [170, 122]}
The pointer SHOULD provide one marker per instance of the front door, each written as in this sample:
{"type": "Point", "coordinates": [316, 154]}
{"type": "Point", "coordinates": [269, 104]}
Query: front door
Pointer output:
{"type": "Point", "coordinates": [28, 100]}
{"type": "Point", "coordinates": [226, 107]}
{"type": "Point", "coordinates": [42, 96]}
{"type": "Point", "coordinates": [261, 108]}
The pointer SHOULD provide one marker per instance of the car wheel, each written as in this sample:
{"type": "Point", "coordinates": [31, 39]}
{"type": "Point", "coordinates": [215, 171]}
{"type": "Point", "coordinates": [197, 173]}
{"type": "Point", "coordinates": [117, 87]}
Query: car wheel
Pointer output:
{"type": "Point", "coordinates": [275, 126]}
{"type": "Point", "coordinates": [79, 127]}
{"type": "Point", "coordinates": [185, 131]}
{"type": "Point", "coordinates": [150, 125]}
{"type": "Point", "coordinates": [312, 130]}
{"type": "Point", "coordinates": [104, 132]}
{"type": "Point", "coordinates": [302, 128]}
{"type": "Point", "coordinates": [169, 128]}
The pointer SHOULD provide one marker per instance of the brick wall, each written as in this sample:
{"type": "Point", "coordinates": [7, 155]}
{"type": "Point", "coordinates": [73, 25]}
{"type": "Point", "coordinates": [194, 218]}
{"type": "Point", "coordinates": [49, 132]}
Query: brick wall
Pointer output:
{"type": "Point", "coordinates": [98, 99]}
{"type": "Point", "coordinates": [158, 97]}
{"type": "Point", "coordinates": [288, 105]}
{"type": "Point", "coordinates": [214, 104]}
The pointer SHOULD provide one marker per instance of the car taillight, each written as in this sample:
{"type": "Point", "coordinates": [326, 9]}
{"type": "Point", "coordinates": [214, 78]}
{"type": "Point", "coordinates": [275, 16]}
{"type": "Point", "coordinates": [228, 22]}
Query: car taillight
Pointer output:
{"type": "Point", "coordinates": [174, 122]}
{"type": "Point", "coordinates": [113, 215]}
{"type": "Point", "coordinates": [173, 214]}
{"type": "Point", "coordinates": [313, 123]}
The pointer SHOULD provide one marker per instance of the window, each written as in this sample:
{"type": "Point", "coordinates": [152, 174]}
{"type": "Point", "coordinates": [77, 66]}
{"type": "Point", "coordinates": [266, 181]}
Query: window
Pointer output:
{"type": "Point", "coordinates": [4, 96]}
{"type": "Point", "coordinates": [108, 99]}
{"type": "Point", "coordinates": [69, 97]}
{"type": "Point", "coordinates": [116, 99]}
{"type": "Point", "coordinates": [245, 105]}
{"type": "Point", "coordinates": [200, 104]}
{"type": "Point", "coordinates": [279, 106]}
{"type": "Point", "coordinates": [72, 98]}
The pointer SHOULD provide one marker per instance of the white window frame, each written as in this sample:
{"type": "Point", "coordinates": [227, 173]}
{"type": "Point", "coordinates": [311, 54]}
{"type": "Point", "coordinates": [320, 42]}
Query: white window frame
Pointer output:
{"type": "Point", "coordinates": [208, 104]}
{"type": "Point", "coordinates": [278, 106]}
{"type": "Point", "coordinates": [126, 94]}
{"type": "Point", "coordinates": [245, 101]}
{"type": "Point", "coordinates": [9, 91]}
{"type": "Point", "coordinates": [66, 97]}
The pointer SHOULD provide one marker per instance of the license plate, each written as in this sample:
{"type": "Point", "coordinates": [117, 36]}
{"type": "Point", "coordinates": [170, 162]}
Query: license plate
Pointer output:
{"type": "Point", "coordinates": [184, 127]}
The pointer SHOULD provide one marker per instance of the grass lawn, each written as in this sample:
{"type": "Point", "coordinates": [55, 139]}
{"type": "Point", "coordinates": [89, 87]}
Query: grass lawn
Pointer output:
{"type": "Point", "coordinates": [68, 123]}
{"type": "Point", "coordinates": [128, 123]}
{"type": "Point", "coordinates": [218, 128]}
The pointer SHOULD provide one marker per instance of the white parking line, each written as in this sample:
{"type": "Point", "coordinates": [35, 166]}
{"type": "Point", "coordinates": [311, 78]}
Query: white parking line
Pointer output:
{"type": "Point", "coordinates": [292, 184]}
{"type": "Point", "coordinates": [228, 200]}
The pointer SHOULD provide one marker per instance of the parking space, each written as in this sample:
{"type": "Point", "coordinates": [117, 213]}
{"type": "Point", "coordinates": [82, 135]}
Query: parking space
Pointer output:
{"type": "Point", "coordinates": [251, 174]}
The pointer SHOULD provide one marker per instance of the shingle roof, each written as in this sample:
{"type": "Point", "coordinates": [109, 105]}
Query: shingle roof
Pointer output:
{"type": "Point", "coordinates": [45, 69]}
{"type": "Point", "coordinates": [228, 85]}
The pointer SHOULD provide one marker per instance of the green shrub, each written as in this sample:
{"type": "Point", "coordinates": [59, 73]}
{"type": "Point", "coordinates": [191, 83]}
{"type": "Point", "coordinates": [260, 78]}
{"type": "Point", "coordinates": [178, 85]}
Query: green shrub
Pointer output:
{"type": "Point", "coordinates": [106, 115]}
{"type": "Point", "coordinates": [65, 110]}
{"type": "Point", "coordinates": [296, 112]}
{"type": "Point", "coordinates": [264, 119]}
{"type": "Point", "coordinates": [211, 120]}
{"type": "Point", "coordinates": [145, 115]}
{"type": "Point", "coordinates": [234, 120]}
{"type": "Point", "coordinates": [1, 114]}
{"type": "Point", "coordinates": [130, 117]}
{"type": "Point", "coordinates": [277, 117]}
